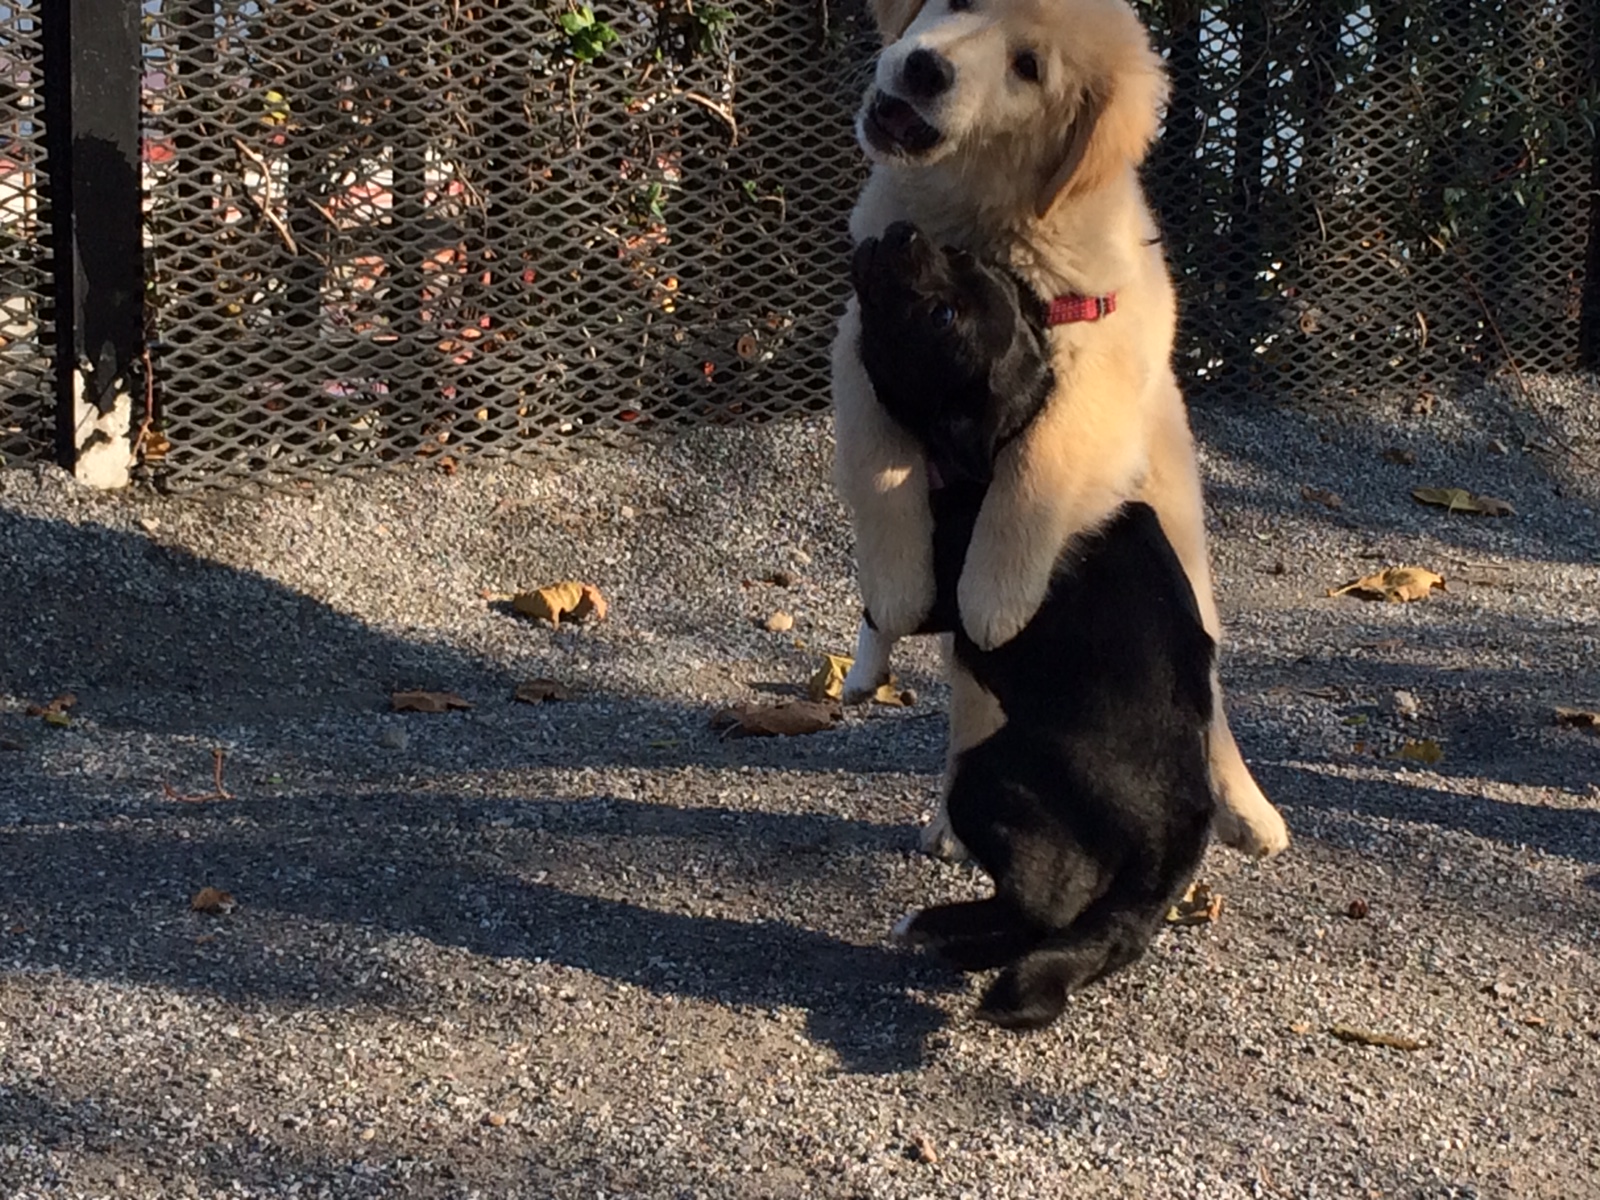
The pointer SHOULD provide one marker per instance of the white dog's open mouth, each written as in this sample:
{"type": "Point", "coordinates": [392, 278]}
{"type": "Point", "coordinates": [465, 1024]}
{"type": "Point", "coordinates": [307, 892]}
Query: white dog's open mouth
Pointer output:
{"type": "Point", "coordinates": [891, 126]}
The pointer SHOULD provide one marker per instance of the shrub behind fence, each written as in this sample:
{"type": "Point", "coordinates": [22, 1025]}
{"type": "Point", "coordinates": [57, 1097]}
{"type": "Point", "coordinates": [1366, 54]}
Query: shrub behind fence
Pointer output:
{"type": "Point", "coordinates": [399, 230]}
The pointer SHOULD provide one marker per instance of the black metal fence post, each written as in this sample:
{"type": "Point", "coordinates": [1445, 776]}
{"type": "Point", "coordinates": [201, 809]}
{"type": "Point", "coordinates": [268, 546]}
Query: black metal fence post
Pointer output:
{"type": "Point", "coordinates": [92, 74]}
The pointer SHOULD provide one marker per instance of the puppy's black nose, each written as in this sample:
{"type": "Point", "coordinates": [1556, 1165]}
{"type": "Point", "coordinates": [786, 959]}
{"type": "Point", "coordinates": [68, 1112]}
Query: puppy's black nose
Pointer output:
{"type": "Point", "coordinates": [900, 235]}
{"type": "Point", "coordinates": [926, 75]}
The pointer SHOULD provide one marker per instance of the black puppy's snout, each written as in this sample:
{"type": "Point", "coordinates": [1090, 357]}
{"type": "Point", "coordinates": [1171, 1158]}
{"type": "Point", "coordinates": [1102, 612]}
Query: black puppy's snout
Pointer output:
{"type": "Point", "coordinates": [926, 75]}
{"type": "Point", "coordinates": [900, 235]}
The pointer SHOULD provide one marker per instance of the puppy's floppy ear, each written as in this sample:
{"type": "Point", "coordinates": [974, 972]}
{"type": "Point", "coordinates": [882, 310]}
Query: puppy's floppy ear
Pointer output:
{"type": "Point", "coordinates": [893, 16]}
{"type": "Point", "coordinates": [1118, 117]}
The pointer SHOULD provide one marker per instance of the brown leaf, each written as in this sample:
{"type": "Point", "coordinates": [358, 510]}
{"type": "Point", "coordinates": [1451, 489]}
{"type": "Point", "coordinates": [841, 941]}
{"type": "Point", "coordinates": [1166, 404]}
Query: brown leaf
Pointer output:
{"type": "Point", "coordinates": [780, 622]}
{"type": "Point", "coordinates": [827, 683]}
{"type": "Point", "coordinates": [789, 718]}
{"type": "Point", "coordinates": [1321, 496]}
{"type": "Point", "coordinates": [1400, 456]}
{"type": "Point", "coordinates": [55, 708]}
{"type": "Point", "coordinates": [213, 901]}
{"type": "Point", "coordinates": [1199, 906]}
{"type": "Point", "coordinates": [1363, 1037]}
{"type": "Point", "coordinates": [426, 702]}
{"type": "Point", "coordinates": [781, 579]}
{"type": "Point", "coordinates": [1426, 751]}
{"type": "Point", "coordinates": [1579, 718]}
{"type": "Point", "coordinates": [569, 598]}
{"type": "Point", "coordinates": [1358, 909]}
{"type": "Point", "coordinates": [1301, 1027]}
{"type": "Point", "coordinates": [1461, 500]}
{"type": "Point", "coordinates": [537, 691]}
{"type": "Point", "coordinates": [1395, 584]}
{"type": "Point", "coordinates": [922, 1149]}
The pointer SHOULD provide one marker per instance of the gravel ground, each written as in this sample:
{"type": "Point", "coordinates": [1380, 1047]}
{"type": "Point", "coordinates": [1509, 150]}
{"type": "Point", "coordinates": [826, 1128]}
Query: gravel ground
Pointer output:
{"type": "Point", "coordinates": [591, 949]}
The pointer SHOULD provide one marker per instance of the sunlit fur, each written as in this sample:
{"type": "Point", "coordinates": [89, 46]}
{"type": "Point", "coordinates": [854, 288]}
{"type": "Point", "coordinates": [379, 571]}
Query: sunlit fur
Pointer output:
{"type": "Point", "coordinates": [1044, 177]}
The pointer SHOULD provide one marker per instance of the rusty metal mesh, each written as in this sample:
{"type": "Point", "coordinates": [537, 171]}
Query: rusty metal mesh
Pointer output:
{"type": "Point", "coordinates": [26, 384]}
{"type": "Point", "coordinates": [386, 231]}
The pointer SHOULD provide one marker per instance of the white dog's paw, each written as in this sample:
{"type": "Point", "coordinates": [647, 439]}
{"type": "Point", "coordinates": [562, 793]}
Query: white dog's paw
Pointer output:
{"type": "Point", "coordinates": [1260, 833]}
{"type": "Point", "coordinates": [993, 614]}
{"type": "Point", "coordinates": [900, 935]}
{"type": "Point", "coordinates": [939, 840]}
{"type": "Point", "coordinates": [870, 670]}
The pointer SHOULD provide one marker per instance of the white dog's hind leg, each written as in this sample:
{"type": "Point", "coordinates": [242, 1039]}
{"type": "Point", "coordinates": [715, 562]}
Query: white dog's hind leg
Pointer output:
{"type": "Point", "coordinates": [870, 670]}
{"type": "Point", "coordinates": [974, 716]}
{"type": "Point", "coordinates": [1246, 819]}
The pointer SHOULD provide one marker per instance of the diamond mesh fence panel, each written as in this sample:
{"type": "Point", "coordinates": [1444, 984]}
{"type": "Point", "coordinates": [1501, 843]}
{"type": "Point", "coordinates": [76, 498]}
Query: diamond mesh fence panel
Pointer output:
{"type": "Point", "coordinates": [1362, 197]}
{"type": "Point", "coordinates": [26, 363]}
{"type": "Point", "coordinates": [392, 231]}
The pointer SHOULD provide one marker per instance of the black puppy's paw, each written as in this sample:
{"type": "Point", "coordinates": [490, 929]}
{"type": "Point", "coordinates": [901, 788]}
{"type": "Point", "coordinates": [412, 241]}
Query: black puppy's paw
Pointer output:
{"type": "Point", "coordinates": [1015, 1001]}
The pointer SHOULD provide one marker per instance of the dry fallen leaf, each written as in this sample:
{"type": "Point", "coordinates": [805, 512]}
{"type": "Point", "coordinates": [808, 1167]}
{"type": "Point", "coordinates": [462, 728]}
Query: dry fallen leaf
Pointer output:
{"type": "Point", "coordinates": [1199, 906]}
{"type": "Point", "coordinates": [1348, 1033]}
{"type": "Point", "coordinates": [828, 681]}
{"type": "Point", "coordinates": [1426, 751]}
{"type": "Point", "coordinates": [891, 694]}
{"type": "Point", "coordinates": [55, 708]}
{"type": "Point", "coordinates": [780, 622]}
{"type": "Point", "coordinates": [1321, 496]}
{"type": "Point", "coordinates": [569, 598]}
{"type": "Point", "coordinates": [537, 691]}
{"type": "Point", "coordinates": [1358, 909]}
{"type": "Point", "coordinates": [1461, 500]}
{"type": "Point", "coordinates": [1394, 583]}
{"type": "Point", "coordinates": [922, 1148]}
{"type": "Point", "coordinates": [1400, 456]}
{"type": "Point", "coordinates": [1579, 718]}
{"type": "Point", "coordinates": [426, 702]}
{"type": "Point", "coordinates": [213, 901]}
{"type": "Point", "coordinates": [786, 719]}
{"type": "Point", "coordinates": [1301, 1027]}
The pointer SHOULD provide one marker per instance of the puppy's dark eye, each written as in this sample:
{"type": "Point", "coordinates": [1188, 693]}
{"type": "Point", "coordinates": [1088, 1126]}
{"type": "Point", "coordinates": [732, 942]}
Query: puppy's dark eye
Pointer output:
{"type": "Point", "coordinates": [1026, 64]}
{"type": "Point", "coordinates": [943, 315]}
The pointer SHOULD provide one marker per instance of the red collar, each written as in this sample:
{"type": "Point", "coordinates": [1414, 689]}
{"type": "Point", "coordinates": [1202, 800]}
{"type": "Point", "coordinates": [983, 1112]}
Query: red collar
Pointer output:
{"type": "Point", "coordinates": [1064, 310]}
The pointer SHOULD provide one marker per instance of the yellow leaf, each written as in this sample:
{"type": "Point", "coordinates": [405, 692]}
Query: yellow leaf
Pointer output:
{"type": "Point", "coordinates": [1394, 583]}
{"type": "Point", "coordinates": [828, 681]}
{"type": "Point", "coordinates": [1199, 906]}
{"type": "Point", "coordinates": [1427, 751]}
{"type": "Point", "coordinates": [567, 598]}
{"type": "Point", "coordinates": [890, 694]}
{"type": "Point", "coordinates": [1461, 500]}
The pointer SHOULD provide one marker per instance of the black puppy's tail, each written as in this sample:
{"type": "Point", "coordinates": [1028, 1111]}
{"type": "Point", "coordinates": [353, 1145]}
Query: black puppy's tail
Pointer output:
{"type": "Point", "coordinates": [1033, 991]}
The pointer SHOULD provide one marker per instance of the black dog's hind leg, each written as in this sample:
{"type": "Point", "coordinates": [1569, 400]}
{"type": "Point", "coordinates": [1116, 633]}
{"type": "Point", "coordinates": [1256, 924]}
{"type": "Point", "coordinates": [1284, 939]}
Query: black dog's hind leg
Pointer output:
{"type": "Point", "coordinates": [976, 935]}
{"type": "Point", "coordinates": [1033, 991]}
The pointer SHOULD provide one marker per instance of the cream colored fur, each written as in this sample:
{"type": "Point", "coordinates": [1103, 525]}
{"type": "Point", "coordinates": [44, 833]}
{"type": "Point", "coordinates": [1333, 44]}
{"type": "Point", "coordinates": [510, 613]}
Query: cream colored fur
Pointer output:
{"type": "Point", "coordinates": [1043, 176]}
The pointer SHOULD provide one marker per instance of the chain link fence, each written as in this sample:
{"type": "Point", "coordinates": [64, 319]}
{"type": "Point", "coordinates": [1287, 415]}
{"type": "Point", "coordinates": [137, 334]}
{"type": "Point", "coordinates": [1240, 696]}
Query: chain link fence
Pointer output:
{"type": "Point", "coordinates": [385, 231]}
{"type": "Point", "coordinates": [27, 405]}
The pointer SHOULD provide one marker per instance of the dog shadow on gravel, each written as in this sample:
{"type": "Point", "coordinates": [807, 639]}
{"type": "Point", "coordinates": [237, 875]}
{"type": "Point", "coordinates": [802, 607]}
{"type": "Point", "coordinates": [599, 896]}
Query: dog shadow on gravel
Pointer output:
{"type": "Point", "coordinates": [331, 890]}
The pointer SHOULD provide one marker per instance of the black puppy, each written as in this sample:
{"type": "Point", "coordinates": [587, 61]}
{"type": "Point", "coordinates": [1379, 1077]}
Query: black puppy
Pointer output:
{"type": "Point", "coordinates": [1091, 806]}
